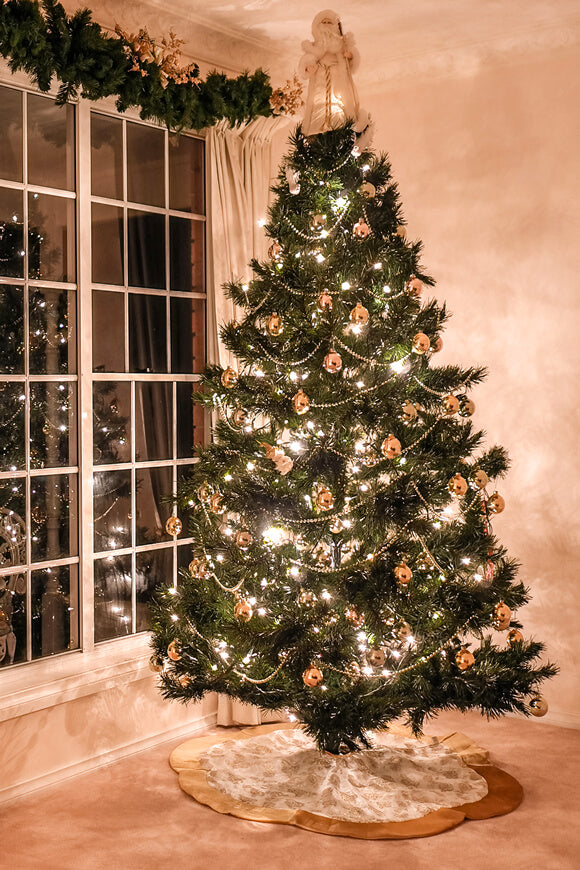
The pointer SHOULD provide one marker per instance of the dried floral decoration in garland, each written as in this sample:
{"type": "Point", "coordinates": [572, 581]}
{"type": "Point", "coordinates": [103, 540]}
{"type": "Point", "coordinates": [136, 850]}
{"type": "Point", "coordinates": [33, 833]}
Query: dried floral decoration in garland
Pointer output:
{"type": "Point", "coordinates": [143, 50]}
{"type": "Point", "coordinates": [287, 100]}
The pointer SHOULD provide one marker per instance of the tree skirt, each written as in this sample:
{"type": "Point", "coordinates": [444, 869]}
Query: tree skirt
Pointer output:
{"type": "Point", "coordinates": [403, 787]}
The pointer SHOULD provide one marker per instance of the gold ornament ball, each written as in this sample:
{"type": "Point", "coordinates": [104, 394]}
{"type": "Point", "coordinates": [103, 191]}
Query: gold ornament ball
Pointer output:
{"type": "Point", "coordinates": [312, 676]}
{"type": "Point", "coordinates": [240, 418]}
{"type": "Point", "coordinates": [538, 706]}
{"type": "Point", "coordinates": [437, 344]}
{"type": "Point", "coordinates": [185, 681]}
{"type": "Point", "coordinates": [479, 479]}
{"type": "Point", "coordinates": [198, 567]}
{"type": "Point", "coordinates": [215, 503]}
{"type": "Point", "coordinates": [421, 343]}
{"type": "Point", "coordinates": [274, 250]}
{"type": "Point", "coordinates": [514, 635]}
{"type": "Point", "coordinates": [229, 378]}
{"type": "Point", "coordinates": [155, 665]}
{"type": "Point", "coordinates": [451, 405]}
{"type": "Point", "coordinates": [242, 610]}
{"type": "Point", "coordinates": [204, 492]}
{"type": "Point", "coordinates": [306, 597]}
{"type": "Point", "coordinates": [361, 229]}
{"type": "Point", "coordinates": [352, 614]}
{"type": "Point", "coordinates": [274, 324]}
{"type": "Point", "coordinates": [414, 286]}
{"type": "Point", "coordinates": [376, 658]}
{"type": "Point", "coordinates": [391, 447]}
{"type": "Point", "coordinates": [332, 362]}
{"type": "Point", "coordinates": [495, 503]}
{"type": "Point", "coordinates": [324, 301]}
{"type": "Point", "coordinates": [457, 485]}
{"type": "Point", "coordinates": [501, 616]}
{"type": "Point", "coordinates": [403, 574]}
{"type": "Point", "coordinates": [403, 631]}
{"type": "Point", "coordinates": [318, 221]}
{"type": "Point", "coordinates": [336, 526]}
{"type": "Point", "coordinates": [173, 526]}
{"type": "Point", "coordinates": [173, 651]}
{"type": "Point", "coordinates": [244, 539]}
{"type": "Point", "coordinates": [324, 499]}
{"type": "Point", "coordinates": [301, 402]}
{"type": "Point", "coordinates": [401, 231]}
{"type": "Point", "coordinates": [466, 406]}
{"type": "Point", "coordinates": [368, 190]}
{"type": "Point", "coordinates": [464, 659]}
{"type": "Point", "coordinates": [409, 412]}
{"type": "Point", "coordinates": [359, 315]}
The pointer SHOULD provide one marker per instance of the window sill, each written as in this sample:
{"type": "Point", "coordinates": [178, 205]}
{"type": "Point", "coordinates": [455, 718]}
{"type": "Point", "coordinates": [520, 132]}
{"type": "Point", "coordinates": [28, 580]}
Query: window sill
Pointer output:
{"type": "Point", "coordinates": [54, 681]}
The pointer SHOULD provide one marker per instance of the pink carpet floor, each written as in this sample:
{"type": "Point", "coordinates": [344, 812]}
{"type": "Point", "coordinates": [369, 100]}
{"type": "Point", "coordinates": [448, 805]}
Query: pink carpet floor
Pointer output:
{"type": "Point", "coordinates": [131, 815]}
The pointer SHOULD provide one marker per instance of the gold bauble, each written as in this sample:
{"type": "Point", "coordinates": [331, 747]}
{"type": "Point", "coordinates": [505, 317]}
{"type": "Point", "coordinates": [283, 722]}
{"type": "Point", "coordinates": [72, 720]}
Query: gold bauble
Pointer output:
{"type": "Point", "coordinates": [244, 539]}
{"type": "Point", "coordinates": [464, 659]}
{"type": "Point", "coordinates": [502, 616]}
{"type": "Point", "coordinates": [352, 614]}
{"type": "Point", "coordinates": [274, 324]}
{"type": "Point", "coordinates": [229, 378]}
{"type": "Point", "coordinates": [414, 286]}
{"type": "Point", "coordinates": [155, 665]}
{"type": "Point", "coordinates": [274, 250]}
{"type": "Point", "coordinates": [537, 705]}
{"type": "Point", "coordinates": [240, 418]}
{"type": "Point", "coordinates": [242, 610]}
{"type": "Point", "coordinates": [332, 362]}
{"type": "Point", "coordinates": [401, 231]}
{"type": "Point", "coordinates": [421, 343]}
{"type": "Point", "coordinates": [173, 526]}
{"type": "Point", "coordinates": [204, 492]}
{"type": "Point", "coordinates": [495, 503]}
{"type": "Point", "coordinates": [198, 567]}
{"type": "Point", "coordinates": [451, 405]}
{"type": "Point", "coordinates": [184, 681]}
{"type": "Point", "coordinates": [173, 651]}
{"type": "Point", "coordinates": [376, 658]}
{"type": "Point", "coordinates": [318, 221]}
{"type": "Point", "coordinates": [391, 447]}
{"type": "Point", "coordinates": [466, 406]}
{"type": "Point", "coordinates": [301, 402]}
{"type": "Point", "coordinates": [215, 503]}
{"type": "Point", "coordinates": [324, 499]}
{"type": "Point", "coordinates": [409, 412]}
{"type": "Point", "coordinates": [479, 479]}
{"type": "Point", "coordinates": [403, 574]}
{"type": "Point", "coordinates": [283, 463]}
{"type": "Point", "coordinates": [323, 556]}
{"type": "Point", "coordinates": [324, 301]}
{"type": "Point", "coordinates": [336, 526]}
{"type": "Point", "coordinates": [437, 344]}
{"type": "Point", "coordinates": [312, 676]}
{"type": "Point", "coordinates": [359, 315]}
{"type": "Point", "coordinates": [403, 631]}
{"type": "Point", "coordinates": [306, 597]}
{"type": "Point", "coordinates": [514, 635]}
{"type": "Point", "coordinates": [367, 190]}
{"type": "Point", "coordinates": [457, 485]}
{"type": "Point", "coordinates": [361, 229]}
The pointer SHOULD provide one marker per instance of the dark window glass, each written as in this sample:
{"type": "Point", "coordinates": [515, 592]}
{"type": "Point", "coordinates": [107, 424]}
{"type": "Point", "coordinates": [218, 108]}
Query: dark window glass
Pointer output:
{"type": "Point", "coordinates": [153, 487]}
{"type": "Point", "coordinates": [53, 424]}
{"type": "Point", "coordinates": [186, 246]}
{"type": "Point", "coordinates": [11, 233]}
{"type": "Point", "coordinates": [186, 174]}
{"type": "Point", "coordinates": [112, 597]}
{"type": "Point", "coordinates": [145, 165]}
{"type": "Point", "coordinates": [53, 506]}
{"type": "Point", "coordinates": [185, 512]}
{"type": "Point", "coordinates": [55, 610]}
{"type": "Point", "coordinates": [106, 156]}
{"type": "Point", "coordinates": [12, 619]}
{"type": "Point", "coordinates": [111, 422]}
{"type": "Point", "coordinates": [153, 421]}
{"type": "Point", "coordinates": [107, 244]}
{"type": "Point", "coordinates": [147, 333]}
{"type": "Point", "coordinates": [112, 510]}
{"type": "Point", "coordinates": [51, 148]}
{"type": "Point", "coordinates": [12, 524]}
{"type": "Point", "coordinates": [108, 331]}
{"type": "Point", "coordinates": [146, 239]}
{"type": "Point", "coordinates": [11, 134]}
{"type": "Point", "coordinates": [52, 342]}
{"type": "Point", "coordinates": [187, 335]}
{"type": "Point", "coordinates": [51, 237]}
{"type": "Point", "coordinates": [12, 410]}
{"type": "Point", "coordinates": [152, 569]}
{"type": "Point", "coordinates": [12, 321]}
{"type": "Point", "coordinates": [191, 420]}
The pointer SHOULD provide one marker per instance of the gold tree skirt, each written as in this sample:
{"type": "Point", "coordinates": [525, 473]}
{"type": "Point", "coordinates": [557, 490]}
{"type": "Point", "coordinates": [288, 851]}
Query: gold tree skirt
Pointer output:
{"type": "Point", "coordinates": [422, 780]}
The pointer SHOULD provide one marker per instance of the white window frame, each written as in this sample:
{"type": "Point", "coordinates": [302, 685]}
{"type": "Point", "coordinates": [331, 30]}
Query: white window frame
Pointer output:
{"type": "Point", "coordinates": [30, 686]}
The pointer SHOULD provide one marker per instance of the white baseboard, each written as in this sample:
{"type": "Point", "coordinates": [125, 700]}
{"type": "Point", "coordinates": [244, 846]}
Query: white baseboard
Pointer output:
{"type": "Point", "coordinates": [57, 776]}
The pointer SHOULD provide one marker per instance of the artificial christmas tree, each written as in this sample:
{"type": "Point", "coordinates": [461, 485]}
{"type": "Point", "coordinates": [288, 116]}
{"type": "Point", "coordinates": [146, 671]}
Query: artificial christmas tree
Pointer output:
{"type": "Point", "coordinates": [344, 565]}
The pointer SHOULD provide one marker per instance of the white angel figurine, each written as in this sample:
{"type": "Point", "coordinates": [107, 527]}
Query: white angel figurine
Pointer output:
{"type": "Point", "coordinates": [329, 62]}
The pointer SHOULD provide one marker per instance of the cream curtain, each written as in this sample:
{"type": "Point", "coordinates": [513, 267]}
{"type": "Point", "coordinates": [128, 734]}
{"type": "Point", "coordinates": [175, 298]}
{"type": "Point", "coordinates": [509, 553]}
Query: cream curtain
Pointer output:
{"type": "Point", "coordinates": [241, 171]}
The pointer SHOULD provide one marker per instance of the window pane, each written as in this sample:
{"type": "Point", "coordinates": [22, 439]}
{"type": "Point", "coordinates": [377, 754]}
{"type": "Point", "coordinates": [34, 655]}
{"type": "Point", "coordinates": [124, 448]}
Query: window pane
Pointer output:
{"type": "Point", "coordinates": [106, 156]}
{"type": "Point", "coordinates": [152, 569]}
{"type": "Point", "coordinates": [12, 523]}
{"type": "Point", "coordinates": [12, 410]}
{"type": "Point", "coordinates": [55, 610]}
{"type": "Point", "coordinates": [51, 237]}
{"type": "Point", "coordinates": [153, 486]}
{"type": "Point", "coordinates": [153, 421]}
{"type": "Point", "coordinates": [147, 333]}
{"type": "Point", "coordinates": [191, 420]}
{"type": "Point", "coordinates": [185, 515]}
{"type": "Point", "coordinates": [11, 134]}
{"type": "Point", "coordinates": [107, 244]}
{"type": "Point", "coordinates": [111, 422]}
{"type": "Point", "coordinates": [53, 429]}
{"type": "Point", "coordinates": [50, 143]}
{"type": "Point", "coordinates": [187, 335]}
{"type": "Point", "coordinates": [186, 174]}
{"type": "Point", "coordinates": [112, 510]}
{"type": "Point", "coordinates": [11, 233]}
{"type": "Point", "coordinates": [184, 556]}
{"type": "Point", "coordinates": [52, 331]}
{"type": "Point", "coordinates": [112, 597]}
{"type": "Point", "coordinates": [145, 165]}
{"type": "Point", "coordinates": [186, 240]}
{"type": "Point", "coordinates": [12, 325]}
{"type": "Point", "coordinates": [12, 619]}
{"type": "Point", "coordinates": [53, 503]}
{"type": "Point", "coordinates": [146, 239]}
{"type": "Point", "coordinates": [108, 331]}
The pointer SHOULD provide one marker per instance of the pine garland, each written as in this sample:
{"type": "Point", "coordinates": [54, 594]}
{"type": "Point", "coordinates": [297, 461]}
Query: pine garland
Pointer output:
{"type": "Point", "coordinates": [41, 39]}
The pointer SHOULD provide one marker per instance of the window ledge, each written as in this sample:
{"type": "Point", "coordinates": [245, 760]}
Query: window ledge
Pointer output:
{"type": "Point", "coordinates": [50, 682]}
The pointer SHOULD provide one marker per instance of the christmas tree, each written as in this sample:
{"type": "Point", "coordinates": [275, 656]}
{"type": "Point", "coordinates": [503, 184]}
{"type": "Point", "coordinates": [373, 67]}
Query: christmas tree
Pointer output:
{"type": "Point", "coordinates": [344, 563]}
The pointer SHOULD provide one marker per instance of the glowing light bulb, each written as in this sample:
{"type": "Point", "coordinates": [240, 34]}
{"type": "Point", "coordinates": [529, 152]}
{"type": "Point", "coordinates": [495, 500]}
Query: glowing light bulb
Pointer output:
{"type": "Point", "coordinates": [466, 560]}
{"type": "Point", "coordinates": [259, 373]}
{"type": "Point", "coordinates": [386, 288]}
{"type": "Point", "coordinates": [293, 376]}
{"type": "Point", "coordinates": [227, 476]}
{"type": "Point", "coordinates": [295, 571]}
{"type": "Point", "coordinates": [398, 366]}
{"type": "Point", "coordinates": [341, 201]}
{"type": "Point", "coordinates": [320, 258]}
{"type": "Point", "coordinates": [174, 617]}
{"type": "Point", "coordinates": [360, 384]}
{"type": "Point", "coordinates": [378, 266]}
{"type": "Point", "coordinates": [250, 466]}
{"type": "Point", "coordinates": [262, 222]}
{"type": "Point", "coordinates": [366, 167]}
{"type": "Point", "coordinates": [345, 285]}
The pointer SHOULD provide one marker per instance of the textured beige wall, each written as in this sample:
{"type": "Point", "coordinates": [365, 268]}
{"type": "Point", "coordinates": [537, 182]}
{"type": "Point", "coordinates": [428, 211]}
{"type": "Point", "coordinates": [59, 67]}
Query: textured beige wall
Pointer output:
{"type": "Point", "coordinates": [489, 175]}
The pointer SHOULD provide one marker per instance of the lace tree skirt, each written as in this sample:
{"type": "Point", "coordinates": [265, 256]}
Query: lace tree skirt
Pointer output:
{"type": "Point", "coordinates": [401, 788]}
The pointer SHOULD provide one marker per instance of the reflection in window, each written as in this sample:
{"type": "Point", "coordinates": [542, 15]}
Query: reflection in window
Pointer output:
{"type": "Point", "coordinates": [12, 320]}
{"type": "Point", "coordinates": [153, 487]}
{"type": "Point", "coordinates": [52, 219]}
{"type": "Point", "coordinates": [52, 319]}
{"type": "Point", "coordinates": [107, 244]}
{"type": "Point", "coordinates": [53, 433]}
{"type": "Point", "coordinates": [191, 420]}
{"type": "Point", "coordinates": [12, 619]}
{"type": "Point", "coordinates": [54, 599]}
{"type": "Point", "coordinates": [108, 331]}
{"type": "Point", "coordinates": [11, 138]}
{"type": "Point", "coordinates": [12, 411]}
{"type": "Point", "coordinates": [152, 569]}
{"type": "Point", "coordinates": [12, 250]}
{"type": "Point", "coordinates": [53, 511]}
{"type": "Point", "coordinates": [111, 422]}
{"type": "Point", "coordinates": [146, 240]}
{"type": "Point", "coordinates": [106, 156]}
{"type": "Point", "coordinates": [112, 605]}
{"type": "Point", "coordinates": [50, 143]}
{"type": "Point", "coordinates": [112, 510]}
{"type": "Point", "coordinates": [153, 421]}
{"type": "Point", "coordinates": [12, 522]}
